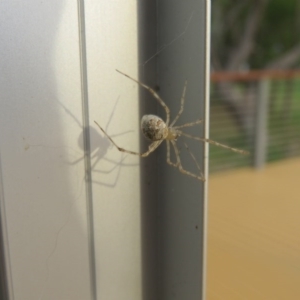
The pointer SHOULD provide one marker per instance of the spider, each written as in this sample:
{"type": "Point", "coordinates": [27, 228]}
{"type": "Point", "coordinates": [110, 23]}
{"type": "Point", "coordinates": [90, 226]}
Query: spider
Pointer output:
{"type": "Point", "coordinates": [156, 130]}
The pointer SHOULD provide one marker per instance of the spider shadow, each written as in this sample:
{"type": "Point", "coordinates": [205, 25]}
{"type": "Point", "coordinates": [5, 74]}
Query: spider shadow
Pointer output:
{"type": "Point", "coordinates": [99, 146]}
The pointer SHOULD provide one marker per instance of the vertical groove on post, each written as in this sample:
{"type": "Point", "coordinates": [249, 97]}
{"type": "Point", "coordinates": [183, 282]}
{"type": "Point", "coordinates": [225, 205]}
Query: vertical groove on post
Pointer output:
{"type": "Point", "coordinates": [6, 283]}
{"type": "Point", "coordinates": [87, 150]}
{"type": "Point", "coordinates": [206, 145]}
{"type": "Point", "coordinates": [261, 129]}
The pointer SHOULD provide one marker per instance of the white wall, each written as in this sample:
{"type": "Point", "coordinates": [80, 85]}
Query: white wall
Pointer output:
{"type": "Point", "coordinates": [44, 193]}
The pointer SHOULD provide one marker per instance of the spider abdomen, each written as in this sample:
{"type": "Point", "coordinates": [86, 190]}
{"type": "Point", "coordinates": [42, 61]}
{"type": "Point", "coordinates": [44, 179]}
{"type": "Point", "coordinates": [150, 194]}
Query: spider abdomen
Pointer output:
{"type": "Point", "coordinates": [154, 128]}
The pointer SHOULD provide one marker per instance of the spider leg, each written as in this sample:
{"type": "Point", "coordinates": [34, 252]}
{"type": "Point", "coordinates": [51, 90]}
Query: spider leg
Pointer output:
{"type": "Point", "coordinates": [181, 104]}
{"type": "Point", "coordinates": [154, 94]}
{"type": "Point", "coordinates": [169, 156]}
{"type": "Point", "coordinates": [189, 124]}
{"type": "Point", "coordinates": [180, 167]}
{"type": "Point", "coordinates": [194, 159]}
{"type": "Point", "coordinates": [215, 143]}
{"type": "Point", "coordinates": [151, 147]}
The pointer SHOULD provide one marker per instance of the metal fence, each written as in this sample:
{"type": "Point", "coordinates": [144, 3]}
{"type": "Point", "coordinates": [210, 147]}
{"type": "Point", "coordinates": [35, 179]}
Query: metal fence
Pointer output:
{"type": "Point", "coordinates": [258, 111]}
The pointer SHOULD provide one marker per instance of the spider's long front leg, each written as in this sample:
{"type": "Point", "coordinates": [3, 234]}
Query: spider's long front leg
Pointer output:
{"type": "Point", "coordinates": [151, 147]}
{"type": "Point", "coordinates": [214, 143]}
{"type": "Point", "coordinates": [154, 94]}
{"type": "Point", "coordinates": [181, 105]}
{"type": "Point", "coordinates": [180, 167]}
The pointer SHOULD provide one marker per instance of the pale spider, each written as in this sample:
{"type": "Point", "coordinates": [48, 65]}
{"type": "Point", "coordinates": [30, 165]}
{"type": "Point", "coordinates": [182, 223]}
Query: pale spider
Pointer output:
{"type": "Point", "coordinates": [157, 130]}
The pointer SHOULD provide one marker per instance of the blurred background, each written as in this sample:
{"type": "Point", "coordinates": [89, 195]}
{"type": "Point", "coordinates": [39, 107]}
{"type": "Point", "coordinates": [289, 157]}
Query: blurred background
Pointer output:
{"type": "Point", "coordinates": [254, 201]}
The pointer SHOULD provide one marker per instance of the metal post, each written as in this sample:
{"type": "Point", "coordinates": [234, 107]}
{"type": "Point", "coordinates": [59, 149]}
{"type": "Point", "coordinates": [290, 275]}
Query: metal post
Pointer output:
{"type": "Point", "coordinates": [175, 234]}
{"type": "Point", "coordinates": [261, 128]}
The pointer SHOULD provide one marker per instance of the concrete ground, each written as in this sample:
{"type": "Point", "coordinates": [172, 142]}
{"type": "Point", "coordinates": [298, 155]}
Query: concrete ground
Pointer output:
{"type": "Point", "coordinates": [254, 233]}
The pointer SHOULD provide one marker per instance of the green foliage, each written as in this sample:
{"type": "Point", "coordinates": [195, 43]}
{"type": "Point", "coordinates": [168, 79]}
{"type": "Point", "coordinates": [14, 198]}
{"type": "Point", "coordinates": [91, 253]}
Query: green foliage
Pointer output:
{"type": "Point", "coordinates": [224, 129]}
{"type": "Point", "coordinates": [279, 32]}
{"type": "Point", "coordinates": [268, 30]}
{"type": "Point", "coordinates": [284, 120]}
{"type": "Point", "coordinates": [278, 29]}
{"type": "Point", "coordinates": [283, 128]}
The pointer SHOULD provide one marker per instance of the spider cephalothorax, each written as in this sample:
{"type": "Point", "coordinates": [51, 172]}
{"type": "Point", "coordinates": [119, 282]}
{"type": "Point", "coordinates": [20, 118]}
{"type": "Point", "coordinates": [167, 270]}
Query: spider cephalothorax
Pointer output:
{"type": "Point", "coordinates": [157, 130]}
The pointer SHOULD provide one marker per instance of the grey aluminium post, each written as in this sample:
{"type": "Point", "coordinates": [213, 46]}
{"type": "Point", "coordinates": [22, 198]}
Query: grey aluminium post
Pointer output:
{"type": "Point", "coordinates": [261, 129]}
{"type": "Point", "coordinates": [176, 48]}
